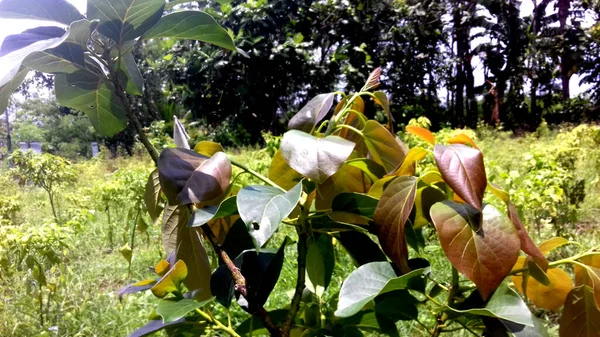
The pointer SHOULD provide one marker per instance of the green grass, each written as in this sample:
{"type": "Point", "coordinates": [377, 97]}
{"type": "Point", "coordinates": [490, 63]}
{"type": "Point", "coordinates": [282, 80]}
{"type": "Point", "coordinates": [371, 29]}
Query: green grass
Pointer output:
{"type": "Point", "coordinates": [85, 301]}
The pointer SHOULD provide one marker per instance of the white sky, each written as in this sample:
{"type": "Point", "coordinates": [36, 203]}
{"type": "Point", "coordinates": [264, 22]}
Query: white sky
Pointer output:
{"type": "Point", "coordinates": [15, 26]}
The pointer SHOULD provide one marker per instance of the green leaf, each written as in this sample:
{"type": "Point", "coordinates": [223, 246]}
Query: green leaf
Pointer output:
{"type": "Point", "coordinates": [95, 96]}
{"type": "Point", "coordinates": [222, 285]}
{"type": "Point", "coordinates": [382, 145]}
{"type": "Point", "coordinates": [360, 246]}
{"type": "Point", "coordinates": [390, 217]}
{"type": "Point", "coordinates": [505, 304]}
{"type": "Point", "coordinates": [463, 170]}
{"type": "Point", "coordinates": [263, 208]}
{"type": "Point", "coordinates": [152, 196]}
{"type": "Point", "coordinates": [187, 177]}
{"type": "Point", "coordinates": [191, 250]}
{"type": "Point", "coordinates": [68, 57]}
{"type": "Point", "coordinates": [315, 158]}
{"type": "Point", "coordinates": [126, 252]}
{"type": "Point", "coordinates": [9, 88]}
{"type": "Point", "coordinates": [135, 81]}
{"type": "Point", "coordinates": [312, 113]}
{"type": "Point", "coordinates": [522, 330]}
{"type": "Point", "coordinates": [123, 20]}
{"type": "Point", "coordinates": [45, 10]}
{"type": "Point", "coordinates": [397, 305]}
{"type": "Point", "coordinates": [356, 203]}
{"type": "Point", "coordinates": [426, 197]}
{"type": "Point", "coordinates": [191, 25]}
{"type": "Point", "coordinates": [581, 316]}
{"type": "Point", "coordinates": [320, 261]}
{"type": "Point", "coordinates": [171, 310]}
{"type": "Point", "coordinates": [203, 215]}
{"type": "Point", "coordinates": [370, 320]}
{"type": "Point", "coordinates": [368, 281]}
{"type": "Point", "coordinates": [373, 170]}
{"type": "Point", "coordinates": [485, 255]}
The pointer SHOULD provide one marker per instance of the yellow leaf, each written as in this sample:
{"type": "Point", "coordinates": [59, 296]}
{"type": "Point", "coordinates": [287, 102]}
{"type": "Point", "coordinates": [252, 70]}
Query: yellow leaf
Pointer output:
{"type": "Point", "coordinates": [171, 281]}
{"type": "Point", "coordinates": [408, 165]}
{"type": "Point", "coordinates": [162, 267]}
{"type": "Point", "coordinates": [462, 139]}
{"type": "Point", "coordinates": [208, 148]}
{"type": "Point", "coordinates": [551, 244]}
{"type": "Point", "coordinates": [422, 133]}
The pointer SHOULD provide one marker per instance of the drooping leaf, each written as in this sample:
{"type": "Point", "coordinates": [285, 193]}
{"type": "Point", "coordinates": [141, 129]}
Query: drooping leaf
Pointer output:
{"type": "Point", "coordinates": [390, 216]}
{"type": "Point", "coordinates": [368, 281]}
{"type": "Point", "coordinates": [152, 196]}
{"type": "Point", "coordinates": [408, 166]}
{"type": "Point", "coordinates": [527, 244]}
{"type": "Point", "coordinates": [312, 113]}
{"type": "Point", "coordinates": [126, 252]}
{"type": "Point", "coordinates": [360, 246]}
{"type": "Point", "coordinates": [320, 261]}
{"type": "Point", "coordinates": [463, 170]}
{"type": "Point", "coordinates": [172, 310]}
{"type": "Point", "coordinates": [187, 177]}
{"type": "Point", "coordinates": [192, 25]}
{"type": "Point", "coordinates": [135, 81]}
{"type": "Point", "coordinates": [155, 325]}
{"type": "Point", "coordinates": [373, 80]}
{"type": "Point", "coordinates": [191, 251]}
{"type": "Point", "coordinates": [208, 148]}
{"type": "Point", "coordinates": [281, 173]}
{"type": "Point", "coordinates": [124, 20]}
{"type": "Point", "coordinates": [505, 304]}
{"type": "Point", "coordinates": [485, 255]}
{"type": "Point", "coordinates": [174, 218]}
{"type": "Point", "coordinates": [315, 158]}
{"type": "Point", "coordinates": [581, 316]}
{"type": "Point", "coordinates": [44, 10]}
{"type": "Point", "coordinates": [521, 330]}
{"type": "Point", "coordinates": [180, 136]}
{"type": "Point", "coordinates": [356, 203]}
{"type": "Point", "coordinates": [203, 215]}
{"type": "Point", "coordinates": [9, 88]}
{"type": "Point", "coordinates": [171, 281]}
{"type": "Point", "coordinates": [94, 96]}
{"type": "Point", "coordinates": [422, 133]}
{"type": "Point", "coordinates": [551, 244]}
{"type": "Point", "coordinates": [552, 296]}
{"type": "Point", "coordinates": [383, 146]}
{"type": "Point", "coordinates": [263, 208]}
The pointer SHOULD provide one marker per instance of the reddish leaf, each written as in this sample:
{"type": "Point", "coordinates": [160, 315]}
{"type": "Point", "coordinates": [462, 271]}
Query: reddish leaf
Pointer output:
{"type": "Point", "coordinates": [390, 216]}
{"type": "Point", "coordinates": [486, 255]}
{"type": "Point", "coordinates": [527, 244]}
{"type": "Point", "coordinates": [462, 139]}
{"type": "Point", "coordinates": [383, 101]}
{"type": "Point", "coordinates": [152, 196]}
{"type": "Point", "coordinates": [581, 316]}
{"type": "Point", "coordinates": [422, 133]}
{"type": "Point", "coordinates": [372, 80]}
{"type": "Point", "coordinates": [463, 170]}
{"type": "Point", "coordinates": [187, 177]}
{"type": "Point", "coordinates": [312, 113]}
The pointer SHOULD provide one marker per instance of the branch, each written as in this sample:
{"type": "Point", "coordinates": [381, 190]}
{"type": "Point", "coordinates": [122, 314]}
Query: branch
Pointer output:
{"type": "Point", "coordinates": [300, 284]}
{"type": "Point", "coordinates": [240, 281]}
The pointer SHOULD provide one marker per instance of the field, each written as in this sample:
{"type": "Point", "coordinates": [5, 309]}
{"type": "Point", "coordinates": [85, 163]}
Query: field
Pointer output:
{"type": "Point", "coordinates": [60, 277]}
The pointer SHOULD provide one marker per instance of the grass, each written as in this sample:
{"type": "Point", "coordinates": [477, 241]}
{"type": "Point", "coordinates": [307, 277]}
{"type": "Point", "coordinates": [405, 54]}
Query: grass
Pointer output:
{"type": "Point", "coordinates": [85, 301]}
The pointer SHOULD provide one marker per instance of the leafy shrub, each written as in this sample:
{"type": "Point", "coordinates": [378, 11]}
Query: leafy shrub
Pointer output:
{"type": "Point", "coordinates": [9, 206]}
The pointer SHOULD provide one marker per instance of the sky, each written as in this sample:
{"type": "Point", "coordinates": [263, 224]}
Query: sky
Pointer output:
{"type": "Point", "coordinates": [15, 26]}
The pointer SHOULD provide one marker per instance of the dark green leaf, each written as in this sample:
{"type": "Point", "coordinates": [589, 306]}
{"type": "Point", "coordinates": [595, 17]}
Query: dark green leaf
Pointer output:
{"type": "Point", "coordinates": [373, 170]}
{"type": "Point", "coordinates": [485, 255]}
{"type": "Point", "coordinates": [360, 246]}
{"type": "Point", "coordinates": [320, 261]}
{"type": "Point", "coordinates": [414, 237]}
{"type": "Point", "coordinates": [222, 286]}
{"type": "Point", "coordinates": [95, 96]}
{"type": "Point", "coordinates": [312, 113]}
{"type": "Point", "coordinates": [397, 305]}
{"type": "Point", "coordinates": [192, 25]}
{"type": "Point", "coordinates": [263, 208]}
{"type": "Point", "coordinates": [172, 310]}
{"type": "Point", "coordinates": [390, 217]}
{"type": "Point", "coordinates": [237, 239]}
{"type": "Point", "coordinates": [135, 81]}
{"type": "Point", "coordinates": [152, 196]}
{"type": "Point", "coordinates": [370, 320]}
{"type": "Point", "coordinates": [463, 170]}
{"type": "Point", "coordinates": [187, 177]}
{"type": "Point", "coordinates": [315, 158]}
{"type": "Point", "coordinates": [203, 215]}
{"type": "Point", "coordinates": [255, 323]}
{"type": "Point", "coordinates": [45, 10]}
{"type": "Point", "coordinates": [356, 203]}
{"type": "Point", "coordinates": [123, 20]}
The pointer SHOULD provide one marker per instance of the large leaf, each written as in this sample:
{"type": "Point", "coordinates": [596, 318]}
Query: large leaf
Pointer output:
{"type": "Point", "coordinates": [192, 25]}
{"type": "Point", "coordinates": [68, 57]}
{"type": "Point", "coordinates": [390, 216]}
{"type": "Point", "coordinates": [356, 203]}
{"type": "Point", "coordinates": [320, 261]}
{"type": "Point", "coordinates": [135, 81]}
{"type": "Point", "coordinates": [368, 320]}
{"type": "Point", "coordinates": [152, 196]}
{"type": "Point", "coordinates": [315, 158]}
{"type": "Point", "coordinates": [409, 163]}
{"type": "Point", "coordinates": [45, 10]}
{"type": "Point", "coordinates": [483, 247]}
{"type": "Point", "coordinates": [95, 96]}
{"type": "Point", "coordinates": [281, 173]}
{"type": "Point", "coordinates": [505, 304]}
{"type": "Point", "coordinates": [9, 88]}
{"type": "Point", "coordinates": [123, 20]}
{"type": "Point", "coordinates": [383, 146]}
{"type": "Point", "coordinates": [174, 218]}
{"type": "Point", "coordinates": [312, 113]}
{"type": "Point", "coordinates": [263, 208]}
{"type": "Point", "coordinates": [360, 246]}
{"type": "Point", "coordinates": [581, 316]}
{"type": "Point", "coordinates": [205, 214]}
{"type": "Point", "coordinates": [368, 281]}
{"type": "Point", "coordinates": [463, 170]}
{"type": "Point", "coordinates": [191, 250]}
{"type": "Point", "coordinates": [187, 177]}
{"type": "Point", "coordinates": [172, 310]}
{"type": "Point", "coordinates": [347, 179]}
{"type": "Point", "coordinates": [155, 325]}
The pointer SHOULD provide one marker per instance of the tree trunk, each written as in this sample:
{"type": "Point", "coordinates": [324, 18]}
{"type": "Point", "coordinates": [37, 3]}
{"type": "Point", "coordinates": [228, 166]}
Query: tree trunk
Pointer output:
{"type": "Point", "coordinates": [461, 46]}
{"type": "Point", "coordinates": [563, 13]}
